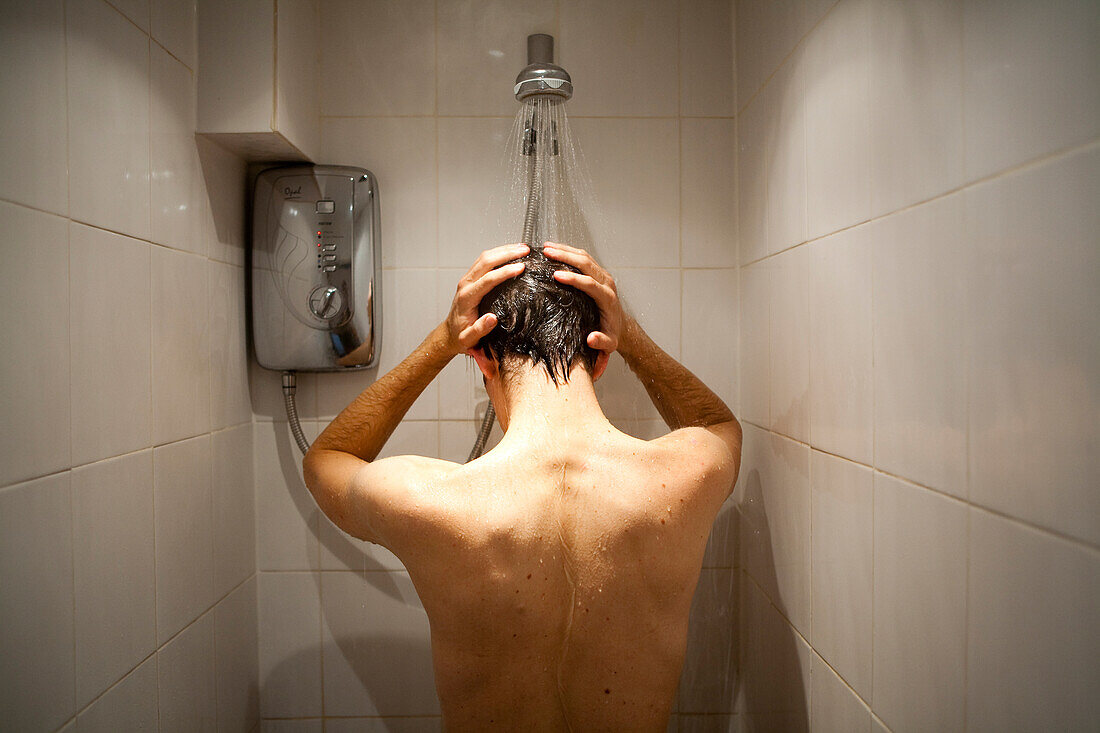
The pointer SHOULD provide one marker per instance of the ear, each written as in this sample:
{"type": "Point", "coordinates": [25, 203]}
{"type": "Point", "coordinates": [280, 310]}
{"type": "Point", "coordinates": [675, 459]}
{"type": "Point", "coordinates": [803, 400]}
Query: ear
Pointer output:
{"type": "Point", "coordinates": [485, 363]}
{"type": "Point", "coordinates": [602, 358]}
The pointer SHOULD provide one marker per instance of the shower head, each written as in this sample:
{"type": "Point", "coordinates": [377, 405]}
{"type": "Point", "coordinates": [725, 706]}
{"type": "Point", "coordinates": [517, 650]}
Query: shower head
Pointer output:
{"type": "Point", "coordinates": [542, 77]}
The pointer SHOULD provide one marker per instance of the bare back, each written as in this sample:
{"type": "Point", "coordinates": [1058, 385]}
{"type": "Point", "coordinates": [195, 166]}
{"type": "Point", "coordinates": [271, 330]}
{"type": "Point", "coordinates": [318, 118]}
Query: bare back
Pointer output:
{"type": "Point", "coordinates": [558, 581]}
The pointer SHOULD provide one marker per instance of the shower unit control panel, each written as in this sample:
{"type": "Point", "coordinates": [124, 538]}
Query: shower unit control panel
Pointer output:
{"type": "Point", "coordinates": [315, 268]}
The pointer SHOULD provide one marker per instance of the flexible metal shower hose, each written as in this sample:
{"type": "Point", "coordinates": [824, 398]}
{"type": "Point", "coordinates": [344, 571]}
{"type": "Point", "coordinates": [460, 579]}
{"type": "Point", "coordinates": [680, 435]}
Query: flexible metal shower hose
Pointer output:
{"type": "Point", "coordinates": [290, 386]}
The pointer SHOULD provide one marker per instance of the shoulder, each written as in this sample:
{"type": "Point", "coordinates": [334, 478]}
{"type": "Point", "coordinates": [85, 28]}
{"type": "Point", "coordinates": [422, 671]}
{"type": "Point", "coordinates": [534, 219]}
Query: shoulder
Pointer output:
{"type": "Point", "coordinates": [711, 454]}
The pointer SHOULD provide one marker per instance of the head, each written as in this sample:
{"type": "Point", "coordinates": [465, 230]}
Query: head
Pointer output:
{"type": "Point", "coordinates": [542, 322]}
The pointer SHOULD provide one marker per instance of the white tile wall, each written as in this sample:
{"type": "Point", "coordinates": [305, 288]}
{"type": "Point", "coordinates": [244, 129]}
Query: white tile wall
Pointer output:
{"type": "Point", "coordinates": [708, 330]}
{"type": "Point", "coordinates": [172, 24]}
{"type": "Point", "coordinates": [709, 680]}
{"type": "Point", "coordinates": [708, 185]}
{"type": "Point", "coordinates": [129, 705]}
{"type": "Point", "coordinates": [706, 59]}
{"type": "Point", "coordinates": [290, 644]}
{"type": "Point", "coordinates": [234, 508]}
{"type": "Point", "coordinates": [236, 659]}
{"type": "Point", "coordinates": [834, 707]}
{"type": "Point", "coordinates": [789, 369]}
{"type": "Point", "coordinates": [186, 692]}
{"type": "Point", "coordinates": [175, 188]}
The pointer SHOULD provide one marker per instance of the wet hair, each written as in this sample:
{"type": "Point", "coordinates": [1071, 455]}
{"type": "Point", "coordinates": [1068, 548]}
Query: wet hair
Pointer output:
{"type": "Point", "coordinates": [540, 319]}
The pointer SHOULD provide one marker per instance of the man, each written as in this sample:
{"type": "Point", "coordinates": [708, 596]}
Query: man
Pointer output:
{"type": "Point", "coordinates": [557, 570]}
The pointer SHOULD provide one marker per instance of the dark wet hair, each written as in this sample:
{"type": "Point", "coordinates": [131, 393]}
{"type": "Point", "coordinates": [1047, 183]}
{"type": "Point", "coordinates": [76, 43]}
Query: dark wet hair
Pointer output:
{"type": "Point", "coordinates": [540, 319]}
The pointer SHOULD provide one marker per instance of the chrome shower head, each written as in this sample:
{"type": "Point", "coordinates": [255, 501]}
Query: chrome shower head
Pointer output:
{"type": "Point", "coordinates": [541, 76]}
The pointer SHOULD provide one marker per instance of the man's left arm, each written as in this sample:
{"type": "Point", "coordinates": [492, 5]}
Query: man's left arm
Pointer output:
{"type": "Point", "coordinates": [338, 467]}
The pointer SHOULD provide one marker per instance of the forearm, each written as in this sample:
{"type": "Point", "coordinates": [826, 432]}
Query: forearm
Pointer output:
{"type": "Point", "coordinates": [367, 423]}
{"type": "Point", "coordinates": [681, 397]}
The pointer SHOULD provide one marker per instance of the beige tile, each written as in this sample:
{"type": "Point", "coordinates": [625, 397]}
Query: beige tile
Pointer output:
{"type": "Point", "coordinates": [34, 409]}
{"type": "Point", "coordinates": [636, 224]}
{"type": "Point", "coordinates": [378, 57]}
{"type": "Point", "coordinates": [919, 637]}
{"type": "Point", "coordinates": [301, 725]}
{"type": "Point", "coordinates": [111, 341]}
{"type": "Point", "coordinates": [752, 184]}
{"type": "Point", "coordinates": [835, 708]}
{"type": "Point", "coordinates": [784, 107]}
{"type": "Point", "coordinates": [186, 691]}
{"type": "Point", "coordinates": [297, 70]}
{"type": "Point", "coordinates": [775, 521]}
{"type": "Point", "coordinates": [36, 618]}
{"type": "Point", "coordinates": [766, 32]}
{"type": "Point", "coordinates": [176, 185]}
{"type": "Point", "coordinates": [841, 376]}
{"type": "Point", "coordinates": [1032, 638]}
{"type": "Point", "coordinates": [223, 208]}
{"type": "Point", "coordinates": [290, 644]}
{"type": "Point", "coordinates": [918, 332]}
{"type": "Point", "coordinates": [790, 343]}
{"type": "Point", "coordinates": [181, 346]}
{"type": "Point", "coordinates": [622, 397]}
{"type": "Point", "coordinates": [916, 102]}
{"type": "Point", "coordinates": [236, 662]}
{"type": "Point", "coordinates": [172, 24]}
{"type": "Point", "coordinates": [129, 705]}
{"type": "Point", "coordinates": [706, 58]}
{"type": "Point", "coordinates": [234, 508]}
{"type": "Point", "coordinates": [286, 514]}
{"type": "Point", "coordinates": [755, 346]}
{"type": "Point", "coordinates": [411, 724]}
{"type": "Point", "coordinates": [185, 533]}
{"type": "Point", "coordinates": [482, 48]}
{"type": "Point", "coordinates": [108, 108]}
{"type": "Point", "coordinates": [709, 680]}
{"type": "Point", "coordinates": [137, 11]}
{"type": "Point", "coordinates": [708, 192]}
{"type": "Point", "coordinates": [842, 538]}
{"type": "Point", "coordinates": [113, 566]}
{"type": "Point", "coordinates": [265, 392]}
{"type": "Point", "coordinates": [456, 438]}
{"type": "Point", "coordinates": [1012, 52]}
{"type": "Point", "coordinates": [622, 56]}
{"type": "Point", "coordinates": [34, 152]}
{"type": "Point", "coordinates": [239, 37]}
{"type": "Point", "coordinates": [401, 154]}
{"type": "Point", "coordinates": [710, 322]}
{"type": "Point", "coordinates": [229, 404]}
{"type": "Point", "coordinates": [652, 297]}
{"type": "Point", "coordinates": [1033, 269]}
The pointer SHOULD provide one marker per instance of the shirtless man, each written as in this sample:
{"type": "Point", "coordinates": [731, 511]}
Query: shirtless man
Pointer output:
{"type": "Point", "coordinates": [557, 570]}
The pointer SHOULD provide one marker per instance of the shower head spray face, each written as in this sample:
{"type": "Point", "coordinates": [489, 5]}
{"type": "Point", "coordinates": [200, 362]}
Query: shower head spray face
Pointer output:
{"type": "Point", "coordinates": [542, 77]}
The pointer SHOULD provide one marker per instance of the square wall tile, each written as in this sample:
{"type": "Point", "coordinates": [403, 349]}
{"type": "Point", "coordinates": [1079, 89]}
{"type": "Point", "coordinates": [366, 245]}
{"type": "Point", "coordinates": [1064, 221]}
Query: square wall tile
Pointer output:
{"type": "Point", "coordinates": [636, 220]}
{"type": "Point", "coordinates": [410, 313]}
{"type": "Point", "coordinates": [33, 155]}
{"type": "Point", "coordinates": [841, 376]}
{"type": "Point", "coordinates": [710, 321]}
{"type": "Point", "coordinates": [835, 708]}
{"type": "Point", "coordinates": [385, 53]}
{"type": "Point", "coordinates": [708, 193]}
{"type": "Point", "coordinates": [482, 48]}
{"type": "Point", "coordinates": [752, 183]}
{"type": "Point", "coordinates": [229, 403]}
{"type": "Point", "coordinates": [297, 96]}
{"type": "Point", "coordinates": [775, 521]}
{"type": "Point", "coordinates": [108, 83]}
{"type": "Point", "coordinates": [129, 705]}
{"type": "Point", "coordinates": [290, 644]}
{"type": "Point", "coordinates": [114, 573]}
{"type": "Point", "coordinates": [1033, 268]}
{"type": "Point", "coordinates": [755, 346]}
{"type": "Point", "coordinates": [185, 533]}
{"type": "Point", "coordinates": [376, 646]}
{"type": "Point", "coordinates": [234, 508]}
{"type": "Point", "coordinates": [110, 307]}
{"type": "Point", "coordinates": [706, 58]}
{"type": "Point", "coordinates": [223, 206]}
{"type": "Point", "coordinates": [708, 682]}
{"type": "Point", "coordinates": [916, 102]}
{"type": "Point", "coordinates": [1031, 84]}
{"type": "Point", "coordinates": [36, 609]}
{"type": "Point", "coordinates": [838, 109]}
{"type": "Point", "coordinates": [456, 438]}
{"type": "Point", "coordinates": [842, 538]}
{"type": "Point", "coordinates": [186, 690]}
{"type": "Point", "coordinates": [172, 24]}
{"type": "Point", "coordinates": [612, 49]}
{"type": "Point", "coordinates": [34, 404]}
{"type": "Point", "coordinates": [1032, 640]}
{"type": "Point", "coordinates": [790, 343]}
{"type": "Point", "coordinates": [286, 514]}
{"type": "Point", "coordinates": [766, 31]}
{"type": "Point", "coordinates": [136, 10]}
{"type": "Point", "coordinates": [784, 107]}
{"type": "Point", "coordinates": [176, 186]}
{"type": "Point", "coordinates": [919, 637]}
{"type": "Point", "coordinates": [401, 153]}
{"type": "Point", "coordinates": [653, 298]}
{"type": "Point", "coordinates": [181, 346]}
{"type": "Point", "coordinates": [236, 660]}
{"type": "Point", "coordinates": [918, 335]}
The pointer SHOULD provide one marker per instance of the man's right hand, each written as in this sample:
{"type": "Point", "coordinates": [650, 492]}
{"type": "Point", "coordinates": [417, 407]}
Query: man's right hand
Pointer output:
{"type": "Point", "coordinates": [598, 284]}
{"type": "Point", "coordinates": [492, 267]}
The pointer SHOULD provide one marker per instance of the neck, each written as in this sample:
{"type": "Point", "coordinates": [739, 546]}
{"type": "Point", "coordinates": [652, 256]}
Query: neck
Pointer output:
{"type": "Point", "coordinates": [531, 405]}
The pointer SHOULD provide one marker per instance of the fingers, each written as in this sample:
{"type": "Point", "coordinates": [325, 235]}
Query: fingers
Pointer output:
{"type": "Point", "coordinates": [578, 258]}
{"type": "Point", "coordinates": [490, 259]}
{"type": "Point", "coordinates": [473, 333]}
{"type": "Point", "coordinates": [472, 293]}
{"type": "Point", "coordinates": [601, 341]}
{"type": "Point", "coordinates": [604, 295]}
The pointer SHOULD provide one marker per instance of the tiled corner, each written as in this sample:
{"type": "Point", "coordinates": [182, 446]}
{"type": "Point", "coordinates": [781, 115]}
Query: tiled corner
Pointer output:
{"type": "Point", "coordinates": [234, 508]}
{"type": "Point", "coordinates": [185, 533]}
{"type": "Point", "coordinates": [755, 347]}
{"type": "Point", "coordinates": [784, 109]}
{"type": "Point", "coordinates": [34, 131]}
{"type": "Point", "coordinates": [36, 623]}
{"type": "Point", "coordinates": [290, 644]}
{"type": "Point", "coordinates": [113, 566]}
{"type": "Point", "coordinates": [236, 660]}
{"type": "Point", "coordinates": [379, 57]}
{"type": "Point", "coordinates": [834, 707]}
{"type": "Point", "coordinates": [709, 323]}
{"type": "Point", "coordinates": [920, 611]}
{"type": "Point", "coordinates": [223, 208]}
{"type": "Point", "coordinates": [708, 193]}
{"type": "Point", "coordinates": [752, 183]}
{"type": "Point", "coordinates": [186, 691]}
{"type": "Point", "coordinates": [176, 183]}
{"type": "Point", "coordinates": [706, 58]}
{"type": "Point", "coordinates": [108, 112]}
{"type": "Point", "coordinates": [376, 662]}
{"type": "Point", "coordinates": [129, 705]}
{"type": "Point", "coordinates": [842, 538]}
{"type": "Point", "coordinates": [789, 370]}
{"type": "Point", "coordinates": [229, 403]}
{"type": "Point", "coordinates": [111, 340]}
{"type": "Point", "coordinates": [34, 437]}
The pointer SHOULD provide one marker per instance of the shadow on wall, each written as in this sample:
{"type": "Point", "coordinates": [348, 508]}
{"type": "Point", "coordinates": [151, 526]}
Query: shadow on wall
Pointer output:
{"type": "Point", "coordinates": [771, 687]}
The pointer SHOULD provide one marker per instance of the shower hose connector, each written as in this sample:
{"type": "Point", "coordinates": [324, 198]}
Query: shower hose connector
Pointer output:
{"type": "Point", "coordinates": [290, 387]}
